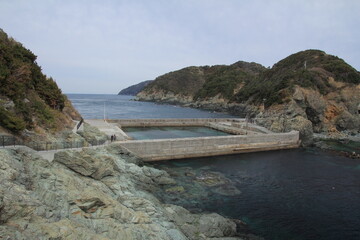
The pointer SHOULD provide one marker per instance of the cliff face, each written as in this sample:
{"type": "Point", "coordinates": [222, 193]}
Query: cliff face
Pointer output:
{"type": "Point", "coordinates": [134, 89]}
{"type": "Point", "coordinates": [307, 91]}
{"type": "Point", "coordinates": [29, 99]}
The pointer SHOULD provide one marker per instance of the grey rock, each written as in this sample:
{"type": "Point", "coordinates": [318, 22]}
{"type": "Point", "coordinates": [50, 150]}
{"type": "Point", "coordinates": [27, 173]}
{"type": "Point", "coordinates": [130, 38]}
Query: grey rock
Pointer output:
{"type": "Point", "coordinates": [86, 164]}
{"type": "Point", "coordinates": [91, 194]}
{"type": "Point", "coordinates": [175, 234]}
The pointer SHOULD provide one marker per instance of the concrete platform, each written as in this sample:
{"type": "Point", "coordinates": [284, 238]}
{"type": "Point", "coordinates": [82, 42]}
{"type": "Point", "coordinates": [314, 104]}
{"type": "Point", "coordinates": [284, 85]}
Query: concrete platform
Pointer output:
{"type": "Point", "coordinates": [247, 137]}
{"type": "Point", "coordinates": [109, 128]}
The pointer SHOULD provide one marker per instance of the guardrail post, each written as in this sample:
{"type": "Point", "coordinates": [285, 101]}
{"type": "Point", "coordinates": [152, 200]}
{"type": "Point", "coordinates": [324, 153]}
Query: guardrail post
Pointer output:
{"type": "Point", "coordinates": [3, 141]}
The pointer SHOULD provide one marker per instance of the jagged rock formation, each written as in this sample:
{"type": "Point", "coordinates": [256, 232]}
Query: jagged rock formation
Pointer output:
{"type": "Point", "coordinates": [94, 194]}
{"type": "Point", "coordinates": [29, 100]}
{"type": "Point", "coordinates": [134, 89]}
{"type": "Point", "coordinates": [307, 91]}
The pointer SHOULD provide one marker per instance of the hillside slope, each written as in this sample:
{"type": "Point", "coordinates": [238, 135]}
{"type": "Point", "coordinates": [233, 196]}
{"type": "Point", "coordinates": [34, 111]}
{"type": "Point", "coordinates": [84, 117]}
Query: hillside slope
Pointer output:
{"type": "Point", "coordinates": [29, 100]}
{"type": "Point", "coordinates": [309, 91]}
{"type": "Point", "coordinates": [201, 83]}
{"type": "Point", "coordinates": [134, 89]}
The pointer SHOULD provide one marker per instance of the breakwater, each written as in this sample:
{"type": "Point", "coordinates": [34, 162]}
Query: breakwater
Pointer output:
{"type": "Point", "coordinates": [248, 138]}
{"type": "Point", "coordinates": [165, 149]}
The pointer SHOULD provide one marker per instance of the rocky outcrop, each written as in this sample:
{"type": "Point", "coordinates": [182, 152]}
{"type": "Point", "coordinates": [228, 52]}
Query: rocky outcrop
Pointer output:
{"type": "Point", "coordinates": [93, 194]}
{"type": "Point", "coordinates": [92, 134]}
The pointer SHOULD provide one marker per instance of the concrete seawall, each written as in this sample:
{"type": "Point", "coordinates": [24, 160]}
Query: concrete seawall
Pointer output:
{"type": "Point", "coordinates": [172, 122]}
{"type": "Point", "coordinates": [248, 138]}
{"type": "Point", "coordinates": [165, 149]}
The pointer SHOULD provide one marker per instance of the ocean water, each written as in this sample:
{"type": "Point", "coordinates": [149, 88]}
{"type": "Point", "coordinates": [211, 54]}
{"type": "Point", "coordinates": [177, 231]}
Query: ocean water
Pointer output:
{"type": "Point", "coordinates": [299, 194]}
{"type": "Point", "coordinates": [290, 194]}
{"type": "Point", "coordinates": [92, 106]}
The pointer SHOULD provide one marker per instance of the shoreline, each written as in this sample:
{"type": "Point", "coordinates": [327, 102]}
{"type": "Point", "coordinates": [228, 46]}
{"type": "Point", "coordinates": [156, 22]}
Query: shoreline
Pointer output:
{"type": "Point", "coordinates": [102, 192]}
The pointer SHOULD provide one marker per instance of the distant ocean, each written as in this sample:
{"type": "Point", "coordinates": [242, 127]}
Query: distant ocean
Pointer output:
{"type": "Point", "coordinates": [298, 194]}
{"type": "Point", "coordinates": [92, 106]}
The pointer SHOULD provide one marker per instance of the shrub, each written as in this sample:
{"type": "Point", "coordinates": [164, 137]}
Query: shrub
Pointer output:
{"type": "Point", "coordinates": [10, 121]}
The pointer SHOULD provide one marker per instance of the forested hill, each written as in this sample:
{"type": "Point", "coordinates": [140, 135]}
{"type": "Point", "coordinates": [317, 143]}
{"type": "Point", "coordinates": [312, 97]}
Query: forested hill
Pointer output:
{"type": "Point", "coordinates": [134, 89]}
{"type": "Point", "coordinates": [313, 69]}
{"type": "Point", "coordinates": [206, 81]}
{"type": "Point", "coordinates": [311, 85]}
{"type": "Point", "coordinates": [28, 98]}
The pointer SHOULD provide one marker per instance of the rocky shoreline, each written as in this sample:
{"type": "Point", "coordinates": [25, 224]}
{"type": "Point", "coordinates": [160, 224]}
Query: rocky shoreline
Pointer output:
{"type": "Point", "coordinates": [101, 193]}
{"type": "Point", "coordinates": [280, 118]}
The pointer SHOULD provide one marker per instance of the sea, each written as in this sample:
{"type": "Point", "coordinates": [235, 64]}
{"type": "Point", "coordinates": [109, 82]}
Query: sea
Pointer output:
{"type": "Point", "coordinates": [299, 194]}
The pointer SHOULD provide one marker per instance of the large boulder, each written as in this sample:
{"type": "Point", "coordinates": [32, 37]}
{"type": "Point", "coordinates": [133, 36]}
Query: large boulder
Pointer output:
{"type": "Point", "coordinates": [87, 163]}
{"type": "Point", "coordinates": [205, 225]}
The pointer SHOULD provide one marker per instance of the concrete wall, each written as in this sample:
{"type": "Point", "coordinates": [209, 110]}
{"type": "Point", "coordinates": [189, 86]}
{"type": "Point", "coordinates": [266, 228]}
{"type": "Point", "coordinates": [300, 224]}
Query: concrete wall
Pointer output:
{"type": "Point", "coordinates": [171, 122]}
{"type": "Point", "coordinates": [239, 130]}
{"type": "Point", "coordinates": [164, 149]}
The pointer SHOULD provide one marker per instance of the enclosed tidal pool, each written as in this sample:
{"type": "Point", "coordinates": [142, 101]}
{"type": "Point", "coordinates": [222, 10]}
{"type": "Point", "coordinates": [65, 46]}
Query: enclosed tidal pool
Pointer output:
{"type": "Point", "coordinates": [292, 194]}
{"type": "Point", "coordinates": [289, 194]}
{"type": "Point", "coordinates": [142, 133]}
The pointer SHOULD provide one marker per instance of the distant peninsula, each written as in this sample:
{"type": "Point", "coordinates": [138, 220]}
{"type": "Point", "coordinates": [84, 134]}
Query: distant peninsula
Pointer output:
{"type": "Point", "coordinates": [134, 89]}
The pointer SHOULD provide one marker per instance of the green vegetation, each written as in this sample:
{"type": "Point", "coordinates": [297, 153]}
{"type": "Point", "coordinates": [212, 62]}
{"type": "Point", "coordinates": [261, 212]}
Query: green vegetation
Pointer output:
{"type": "Point", "coordinates": [185, 81]}
{"type": "Point", "coordinates": [308, 69]}
{"type": "Point", "coordinates": [10, 121]}
{"type": "Point", "coordinates": [251, 83]}
{"type": "Point", "coordinates": [224, 79]}
{"type": "Point", "coordinates": [23, 83]}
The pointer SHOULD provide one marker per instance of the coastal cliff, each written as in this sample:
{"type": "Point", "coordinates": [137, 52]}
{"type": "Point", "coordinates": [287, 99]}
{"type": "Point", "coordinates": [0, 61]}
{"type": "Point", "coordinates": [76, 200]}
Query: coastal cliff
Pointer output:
{"type": "Point", "coordinates": [310, 91]}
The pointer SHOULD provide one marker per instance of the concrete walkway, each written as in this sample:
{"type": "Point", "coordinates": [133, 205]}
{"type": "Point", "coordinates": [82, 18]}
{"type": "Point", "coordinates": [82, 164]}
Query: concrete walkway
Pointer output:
{"type": "Point", "coordinates": [108, 128]}
{"type": "Point", "coordinates": [105, 127]}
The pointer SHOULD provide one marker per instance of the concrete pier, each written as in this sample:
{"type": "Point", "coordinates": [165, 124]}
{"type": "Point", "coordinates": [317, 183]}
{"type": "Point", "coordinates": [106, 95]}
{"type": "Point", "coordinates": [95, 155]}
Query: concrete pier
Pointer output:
{"type": "Point", "coordinates": [246, 137]}
{"type": "Point", "coordinates": [165, 149]}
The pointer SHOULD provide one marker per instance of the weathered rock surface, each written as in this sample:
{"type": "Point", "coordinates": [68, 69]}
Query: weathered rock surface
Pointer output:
{"type": "Point", "coordinates": [92, 134]}
{"type": "Point", "coordinates": [93, 194]}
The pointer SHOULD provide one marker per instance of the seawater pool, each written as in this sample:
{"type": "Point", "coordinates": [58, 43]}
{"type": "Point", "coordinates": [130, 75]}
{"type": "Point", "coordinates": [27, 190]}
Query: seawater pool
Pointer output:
{"type": "Point", "coordinates": [142, 133]}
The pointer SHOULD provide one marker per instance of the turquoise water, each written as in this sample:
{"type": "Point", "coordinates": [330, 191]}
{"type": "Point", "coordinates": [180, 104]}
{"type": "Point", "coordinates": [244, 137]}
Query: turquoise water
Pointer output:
{"type": "Point", "coordinates": [141, 133]}
{"type": "Point", "coordinates": [300, 194]}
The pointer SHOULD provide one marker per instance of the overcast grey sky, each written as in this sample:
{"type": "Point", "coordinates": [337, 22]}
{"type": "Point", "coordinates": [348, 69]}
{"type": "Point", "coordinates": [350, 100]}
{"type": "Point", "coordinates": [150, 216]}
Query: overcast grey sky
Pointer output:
{"type": "Point", "coordinates": [103, 46]}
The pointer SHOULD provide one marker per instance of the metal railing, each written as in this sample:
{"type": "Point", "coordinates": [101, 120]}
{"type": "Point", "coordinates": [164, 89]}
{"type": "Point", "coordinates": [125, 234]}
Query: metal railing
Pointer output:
{"type": "Point", "coordinates": [79, 124]}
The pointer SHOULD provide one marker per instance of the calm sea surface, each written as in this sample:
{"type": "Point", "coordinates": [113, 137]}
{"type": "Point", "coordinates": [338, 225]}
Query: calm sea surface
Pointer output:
{"type": "Point", "coordinates": [297, 194]}
{"type": "Point", "coordinates": [92, 106]}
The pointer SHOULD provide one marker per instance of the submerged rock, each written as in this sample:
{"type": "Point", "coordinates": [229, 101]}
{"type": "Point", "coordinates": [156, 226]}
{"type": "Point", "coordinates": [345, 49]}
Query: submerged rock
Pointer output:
{"type": "Point", "coordinates": [211, 179]}
{"type": "Point", "coordinates": [227, 190]}
{"type": "Point", "coordinates": [176, 189]}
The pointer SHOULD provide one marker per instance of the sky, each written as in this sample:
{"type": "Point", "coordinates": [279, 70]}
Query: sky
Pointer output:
{"type": "Point", "coordinates": [106, 45]}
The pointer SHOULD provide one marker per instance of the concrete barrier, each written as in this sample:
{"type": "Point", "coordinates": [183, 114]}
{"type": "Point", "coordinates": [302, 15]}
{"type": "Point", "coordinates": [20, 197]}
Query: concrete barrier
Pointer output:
{"type": "Point", "coordinates": [172, 122]}
{"type": "Point", "coordinates": [165, 149]}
